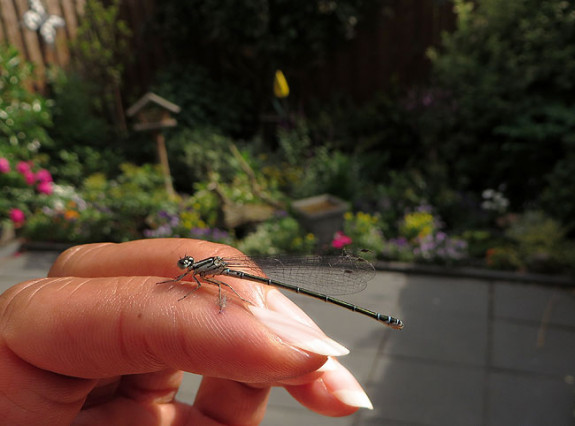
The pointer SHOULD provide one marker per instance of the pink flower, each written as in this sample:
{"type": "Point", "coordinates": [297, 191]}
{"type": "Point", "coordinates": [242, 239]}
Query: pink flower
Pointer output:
{"type": "Point", "coordinates": [23, 167]}
{"type": "Point", "coordinates": [45, 188]}
{"type": "Point", "coordinates": [341, 240]}
{"type": "Point", "coordinates": [29, 177]}
{"type": "Point", "coordinates": [43, 175]}
{"type": "Point", "coordinates": [17, 216]}
{"type": "Point", "coordinates": [4, 165]}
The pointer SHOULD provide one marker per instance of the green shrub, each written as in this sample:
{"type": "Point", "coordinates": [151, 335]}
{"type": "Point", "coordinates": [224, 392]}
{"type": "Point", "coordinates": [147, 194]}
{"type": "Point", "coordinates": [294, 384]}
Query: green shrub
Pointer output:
{"type": "Point", "coordinates": [280, 235]}
{"type": "Point", "coordinates": [503, 258]}
{"type": "Point", "coordinates": [505, 75]}
{"type": "Point", "coordinates": [364, 230]}
{"type": "Point", "coordinates": [103, 210]}
{"type": "Point", "coordinates": [541, 242]}
{"type": "Point", "coordinates": [24, 116]}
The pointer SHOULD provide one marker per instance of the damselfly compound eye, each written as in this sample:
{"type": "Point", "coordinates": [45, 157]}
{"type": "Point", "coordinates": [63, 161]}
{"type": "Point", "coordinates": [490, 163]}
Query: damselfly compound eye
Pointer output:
{"type": "Point", "coordinates": [185, 262]}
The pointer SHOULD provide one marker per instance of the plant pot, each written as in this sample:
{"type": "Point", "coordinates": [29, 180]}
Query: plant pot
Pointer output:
{"type": "Point", "coordinates": [321, 215]}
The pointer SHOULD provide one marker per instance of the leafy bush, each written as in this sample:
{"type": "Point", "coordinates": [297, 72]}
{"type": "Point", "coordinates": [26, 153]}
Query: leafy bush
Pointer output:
{"type": "Point", "coordinates": [25, 188]}
{"type": "Point", "coordinates": [206, 101]}
{"type": "Point", "coordinates": [540, 242]}
{"type": "Point", "coordinates": [184, 224]}
{"type": "Point", "coordinates": [100, 51]}
{"type": "Point", "coordinates": [103, 210]}
{"type": "Point", "coordinates": [506, 72]}
{"type": "Point", "coordinates": [281, 235]}
{"type": "Point", "coordinates": [24, 116]}
{"type": "Point", "coordinates": [420, 238]}
{"type": "Point", "coordinates": [364, 231]}
{"type": "Point", "coordinates": [503, 258]}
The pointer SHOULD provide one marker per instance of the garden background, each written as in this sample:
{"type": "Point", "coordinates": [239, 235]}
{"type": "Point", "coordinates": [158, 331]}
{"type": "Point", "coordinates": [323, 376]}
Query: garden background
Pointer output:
{"type": "Point", "coordinates": [447, 128]}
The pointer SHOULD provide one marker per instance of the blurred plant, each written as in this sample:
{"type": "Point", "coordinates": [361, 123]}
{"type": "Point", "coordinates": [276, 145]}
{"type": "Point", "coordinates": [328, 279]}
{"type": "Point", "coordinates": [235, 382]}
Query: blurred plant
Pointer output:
{"type": "Point", "coordinates": [364, 231]}
{"type": "Point", "coordinates": [24, 116]}
{"type": "Point", "coordinates": [506, 70]}
{"type": "Point", "coordinates": [185, 224]}
{"type": "Point", "coordinates": [440, 248]}
{"type": "Point", "coordinates": [557, 198]}
{"type": "Point", "coordinates": [340, 240]}
{"type": "Point", "coordinates": [207, 101]}
{"type": "Point", "coordinates": [403, 191]}
{"type": "Point", "coordinates": [103, 210]}
{"type": "Point", "coordinates": [494, 201]}
{"type": "Point", "coordinates": [421, 239]}
{"type": "Point", "coordinates": [58, 220]}
{"type": "Point", "coordinates": [99, 52]}
{"type": "Point", "coordinates": [540, 242]}
{"type": "Point", "coordinates": [311, 171]}
{"type": "Point", "coordinates": [479, 241]}
{"type": "Point", "coordinates": [25, 188]}
{"type": "Point", "coordinates": [398, 249]}
{"type": "Point", "coordinates": [503, 258]}
{"type": "Point", "coordinates": [418, 224]}
{"type": "Point", "coordinates": [81, 134]}
{"type": "Point", "coordinates": [280, 235]}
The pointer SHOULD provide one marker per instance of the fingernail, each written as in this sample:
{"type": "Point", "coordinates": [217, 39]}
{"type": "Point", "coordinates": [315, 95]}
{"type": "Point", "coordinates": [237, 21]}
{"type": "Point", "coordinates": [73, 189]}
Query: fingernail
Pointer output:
{"type": "Point", "coordinates": [279, 303]}
{"type": "Point", "coordinates": [344, 386]}
{"type": "Point", "coordinates": [298, 334]}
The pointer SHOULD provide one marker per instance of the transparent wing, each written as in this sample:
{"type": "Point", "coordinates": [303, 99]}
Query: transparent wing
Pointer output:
{"type": "Point", "coordinates": [332, 275]}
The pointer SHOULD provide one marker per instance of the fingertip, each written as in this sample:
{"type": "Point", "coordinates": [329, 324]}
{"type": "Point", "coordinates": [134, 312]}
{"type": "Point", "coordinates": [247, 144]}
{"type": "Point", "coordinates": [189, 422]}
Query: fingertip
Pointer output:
{"type": "Point", "coordinates": [335, 393]}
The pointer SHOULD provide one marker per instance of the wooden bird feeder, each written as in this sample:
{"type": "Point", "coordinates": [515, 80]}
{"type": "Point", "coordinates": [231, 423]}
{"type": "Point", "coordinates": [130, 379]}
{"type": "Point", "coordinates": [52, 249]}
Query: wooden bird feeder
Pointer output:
{"type": "Point", "coordinates": [154, 114]}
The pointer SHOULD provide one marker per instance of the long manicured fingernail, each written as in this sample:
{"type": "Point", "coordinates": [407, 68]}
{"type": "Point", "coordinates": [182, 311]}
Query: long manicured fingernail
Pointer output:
{"type": "Point", "coordinates": [279, 303]}
{"type": "Point", "coordinates": [344, 386]}
{"type": "Point", "coordinates": [298, 334]}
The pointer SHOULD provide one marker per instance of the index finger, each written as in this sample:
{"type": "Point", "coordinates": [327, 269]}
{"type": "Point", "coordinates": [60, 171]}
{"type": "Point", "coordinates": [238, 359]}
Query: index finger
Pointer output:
{"type": "Point", "coordinates": [134, 258]}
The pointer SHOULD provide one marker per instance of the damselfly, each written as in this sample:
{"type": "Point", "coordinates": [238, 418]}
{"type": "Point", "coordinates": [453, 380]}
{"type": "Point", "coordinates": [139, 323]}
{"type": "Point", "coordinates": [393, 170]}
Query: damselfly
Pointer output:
{"type": "Point", "coordinates": [309, 275]}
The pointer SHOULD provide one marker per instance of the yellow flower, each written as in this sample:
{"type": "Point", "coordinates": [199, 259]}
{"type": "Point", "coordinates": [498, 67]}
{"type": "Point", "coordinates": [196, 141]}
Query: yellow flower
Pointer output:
{"type": "Point", "coordinates": [281, 88]}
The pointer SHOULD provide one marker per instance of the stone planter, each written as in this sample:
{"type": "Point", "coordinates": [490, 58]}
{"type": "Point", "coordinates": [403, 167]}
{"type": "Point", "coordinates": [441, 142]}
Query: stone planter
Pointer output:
{"type": "Point", "coordinates": [321, 215]}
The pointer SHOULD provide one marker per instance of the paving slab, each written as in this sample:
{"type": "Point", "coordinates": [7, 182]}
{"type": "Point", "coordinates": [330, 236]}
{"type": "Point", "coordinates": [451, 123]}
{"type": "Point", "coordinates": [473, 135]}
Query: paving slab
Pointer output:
{"type": "Point", "coordinates": [527, 400]}
{"type": "Point", "coordinates": [535, 303]}
{"type": "Point", "coordinates": [425, 393]}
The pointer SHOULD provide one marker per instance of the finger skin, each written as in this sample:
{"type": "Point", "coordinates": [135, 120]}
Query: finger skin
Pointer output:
{"type": "Point", "coordinates": [129, 325]}
{"type": "Point", "coordinates": [101, 314]}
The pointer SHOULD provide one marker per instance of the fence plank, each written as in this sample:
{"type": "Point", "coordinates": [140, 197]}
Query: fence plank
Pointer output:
{"type": "Point", "coordinates": [69, 14]}
{"type": "Point", "coordinates": [59, 50]}
{"type": "Point", "coordinates": [31, 45]}
{"type": "Point", "coordinates": [11, 23]}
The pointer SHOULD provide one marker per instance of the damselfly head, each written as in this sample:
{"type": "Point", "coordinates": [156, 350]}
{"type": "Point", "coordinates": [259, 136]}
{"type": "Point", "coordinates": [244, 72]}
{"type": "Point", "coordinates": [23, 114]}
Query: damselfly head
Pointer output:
{"type": "Point", "coordinates": [185, 262]}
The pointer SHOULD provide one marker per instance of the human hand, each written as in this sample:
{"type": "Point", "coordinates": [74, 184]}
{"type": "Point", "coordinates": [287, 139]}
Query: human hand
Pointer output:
{"type": "Point", "coordinates": [98, 342]}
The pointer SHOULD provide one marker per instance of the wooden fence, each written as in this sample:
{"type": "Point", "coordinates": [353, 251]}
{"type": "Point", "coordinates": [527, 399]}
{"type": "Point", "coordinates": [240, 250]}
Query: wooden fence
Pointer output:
{"type": "Point", "coordinates": [30, 43]}
{"type": "Point", "coordinates": [34, 49]}
{"type": "Point", "coordinates": [392, 43]}
{"type": "Point", "coordinates": [390, 48]}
